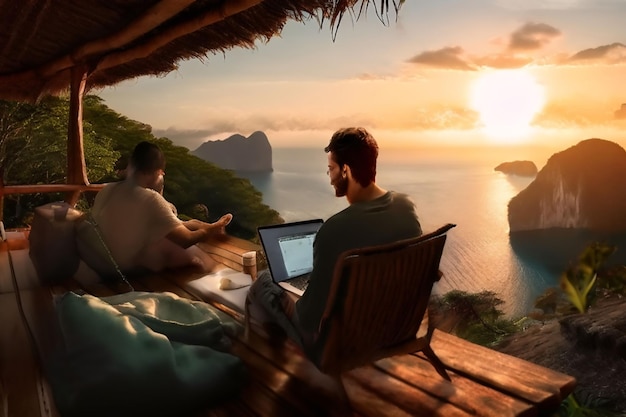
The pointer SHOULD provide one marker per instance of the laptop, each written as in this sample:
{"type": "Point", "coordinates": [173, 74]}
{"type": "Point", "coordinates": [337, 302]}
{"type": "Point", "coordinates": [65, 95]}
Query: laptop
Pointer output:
{"type": "Point", "coordinates": [288, 249]}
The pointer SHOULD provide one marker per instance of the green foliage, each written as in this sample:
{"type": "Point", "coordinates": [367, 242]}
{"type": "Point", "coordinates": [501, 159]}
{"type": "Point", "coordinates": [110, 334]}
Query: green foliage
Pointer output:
{"type": "Point", "coordinates": [473, 316]}
{"type": "Point", "coordinates": [581, 404]}
{"type": "Point", "coordinates": [475, 304]}
{"type": "Point", "coordinates": [190, 181]}
{"type": "Point", "coordinates": [613, 280]}
{"type": "Point", "coordinates": [579, 282]}
{"type": "Point", "coordinates": [33, 149]}
{"type": "Point", "coordinates": [548, 301]}
{"type": "Point", "coordinates": [582, 284]}
{"type": "Point", "coordinates": [122, 132]}
{"type": "Point", "coordinates": [15, 117]}
{"type": "Point", "coordinates": [36, 152]}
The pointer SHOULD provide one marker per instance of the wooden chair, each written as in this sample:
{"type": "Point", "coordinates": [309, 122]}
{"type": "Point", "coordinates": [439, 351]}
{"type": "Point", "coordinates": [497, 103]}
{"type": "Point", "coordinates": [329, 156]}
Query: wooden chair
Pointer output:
{"type": "Point", "coordinates": [378, 301]}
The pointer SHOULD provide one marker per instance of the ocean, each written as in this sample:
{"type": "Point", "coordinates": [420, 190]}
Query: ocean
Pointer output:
{"type": "Point", "coordinates": [469, 193]}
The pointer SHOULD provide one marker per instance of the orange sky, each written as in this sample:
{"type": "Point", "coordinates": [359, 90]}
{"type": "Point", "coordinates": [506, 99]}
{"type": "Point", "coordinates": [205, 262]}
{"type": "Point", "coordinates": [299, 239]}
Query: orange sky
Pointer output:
{"type": "Point", "coordinates": [410, 82]}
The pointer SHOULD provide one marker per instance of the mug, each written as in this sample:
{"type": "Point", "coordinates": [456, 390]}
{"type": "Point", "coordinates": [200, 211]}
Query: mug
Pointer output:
{"type": "Point", "coordinates": [249, 264]}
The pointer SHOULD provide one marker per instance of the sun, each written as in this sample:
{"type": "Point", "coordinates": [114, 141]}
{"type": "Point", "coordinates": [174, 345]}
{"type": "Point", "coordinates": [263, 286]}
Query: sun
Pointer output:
{"type": "Point", "coordinates": [507, 101]}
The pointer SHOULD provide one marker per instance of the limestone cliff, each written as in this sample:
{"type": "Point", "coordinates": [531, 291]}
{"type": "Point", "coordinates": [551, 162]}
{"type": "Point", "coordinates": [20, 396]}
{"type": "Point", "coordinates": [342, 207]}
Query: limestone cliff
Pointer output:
{"type": "Point", "coordinates": [238, 153]}
{"type": "Point", "coordinates": [521, 168]}
{"type": "Point", "coordinates": [582, 187]}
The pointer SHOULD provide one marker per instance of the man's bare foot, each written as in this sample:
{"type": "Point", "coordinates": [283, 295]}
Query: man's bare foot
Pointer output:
{"type": "Point", "coordinates": [218, 229]}
{"type": "Point", "coordinates": [224, 220]}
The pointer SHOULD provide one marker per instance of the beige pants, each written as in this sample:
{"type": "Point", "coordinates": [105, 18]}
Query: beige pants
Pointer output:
{"type": "Point", "coordinates": [166, 254]}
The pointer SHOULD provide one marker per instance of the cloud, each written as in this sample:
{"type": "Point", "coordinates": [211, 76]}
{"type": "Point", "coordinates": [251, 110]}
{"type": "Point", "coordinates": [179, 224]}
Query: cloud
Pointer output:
{"type": "Point", "coordinates": [447, 118]}
{"type": "Point", "coordinates": [191, 138]}
{"type": "Point", "coordinates": [221, 127]}
{"type": "Point", "coordinates": [422, 119]}
{"type": "Point", "coordinates": [532, 36]}
{"type": "Point", "coordinates": [614, 53]}
{"type": "Point", "coordinates": [502, 61]}
{"type": "Point", "coordinates": [183, 134]}
{"type": "Point", "coordinates": [550, 4]}
{"type": "Point", "coordinates": [430, 118]}
{"type": "Point", "coordinates": [561, 114]}
{"type": "Point", "coordinates": [446, 58]}
{"type": "Point", "coordinates": [528, 38]}
{"type": "Point", "coordinates": [408, 76]}
{"type": "Point", "coordinates": [368, 76]}
{"type": "Point", "coordinates": [523, 48]}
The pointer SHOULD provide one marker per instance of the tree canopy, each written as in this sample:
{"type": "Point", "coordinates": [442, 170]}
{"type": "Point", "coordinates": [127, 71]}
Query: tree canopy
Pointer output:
{"type": "Point", "coordinates": [33, 150]}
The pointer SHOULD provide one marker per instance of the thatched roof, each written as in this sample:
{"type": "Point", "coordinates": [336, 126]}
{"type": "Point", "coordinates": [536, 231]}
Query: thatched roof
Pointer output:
{"type": "Point", "coordinates": [41, 41]}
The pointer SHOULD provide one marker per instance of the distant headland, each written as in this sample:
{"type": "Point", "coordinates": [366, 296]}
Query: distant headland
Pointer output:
{"type": "Point", "coordinates": [238, 153]}
{"type": "Point", "coordinates": [521, 168]}
{"type": "Point", "coordinates": [581, 187]}
{"type": "Point", "coordinates": [579, 197]}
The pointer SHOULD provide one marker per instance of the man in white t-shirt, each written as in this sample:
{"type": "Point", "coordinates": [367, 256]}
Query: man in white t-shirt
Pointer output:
{"type": "Point", "coordinates": [138, 224]}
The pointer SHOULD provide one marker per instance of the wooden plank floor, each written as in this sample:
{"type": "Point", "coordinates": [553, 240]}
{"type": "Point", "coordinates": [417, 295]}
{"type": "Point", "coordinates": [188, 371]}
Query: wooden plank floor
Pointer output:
{"type": "Point", "coordinates": [23, 388]}
{"type": "Point", "coordinates": [282, 382]}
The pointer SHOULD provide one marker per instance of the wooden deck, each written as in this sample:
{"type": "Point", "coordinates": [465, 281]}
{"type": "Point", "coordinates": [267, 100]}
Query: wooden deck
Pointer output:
{"type": "Point", "coordinates": [282, 382]}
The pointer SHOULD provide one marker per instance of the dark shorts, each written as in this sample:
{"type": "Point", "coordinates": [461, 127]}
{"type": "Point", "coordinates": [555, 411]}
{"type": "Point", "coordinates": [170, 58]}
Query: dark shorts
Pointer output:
{"type": "Point", "coordinates": [268, 296]}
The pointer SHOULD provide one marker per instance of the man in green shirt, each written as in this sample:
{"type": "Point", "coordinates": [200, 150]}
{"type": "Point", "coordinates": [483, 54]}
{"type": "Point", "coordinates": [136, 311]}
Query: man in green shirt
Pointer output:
{"type": "Point", "coordinates": [374, 217]}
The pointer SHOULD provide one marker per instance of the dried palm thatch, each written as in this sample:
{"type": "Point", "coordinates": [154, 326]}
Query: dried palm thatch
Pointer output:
{"type": "Point", "coordinates": [43, 41]}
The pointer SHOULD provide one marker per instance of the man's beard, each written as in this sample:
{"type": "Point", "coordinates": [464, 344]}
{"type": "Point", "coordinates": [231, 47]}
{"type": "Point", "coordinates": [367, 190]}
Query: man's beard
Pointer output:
{"type": "Point", "coordinates": [341, 186]}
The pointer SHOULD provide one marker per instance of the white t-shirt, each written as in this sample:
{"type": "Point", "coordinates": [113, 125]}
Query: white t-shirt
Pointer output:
{"type": "Point", "coordinates": [132, 219]}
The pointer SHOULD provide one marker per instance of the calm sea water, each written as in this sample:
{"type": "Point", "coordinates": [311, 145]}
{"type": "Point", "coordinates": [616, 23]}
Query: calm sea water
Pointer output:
{"type": "Point", "coordinates": [478, 255]}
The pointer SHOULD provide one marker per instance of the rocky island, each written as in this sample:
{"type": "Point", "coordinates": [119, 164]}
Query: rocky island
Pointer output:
{"type": "Point", "coordinates": [578, 198]}
{"type": "Point", "coordinates": [581, 187]}
{"type": "Point", "coordinates": [521, 168]}
{"type": "Point", "coordinates": [238, 153]}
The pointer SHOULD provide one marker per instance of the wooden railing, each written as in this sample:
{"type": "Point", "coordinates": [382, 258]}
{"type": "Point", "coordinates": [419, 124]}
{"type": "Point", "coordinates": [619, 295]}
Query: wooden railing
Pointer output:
{"type": "Point", "coordinates": [72, 191]}
{"type": "Point", "coordinates": [48, 188]}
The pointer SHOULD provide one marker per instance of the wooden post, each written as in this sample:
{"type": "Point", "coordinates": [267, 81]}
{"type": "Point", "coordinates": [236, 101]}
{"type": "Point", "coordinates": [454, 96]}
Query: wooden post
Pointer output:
{"type": "Point", "coordinates": [76, 169]}
{"type": "Point", "coordinates": [1, 194]}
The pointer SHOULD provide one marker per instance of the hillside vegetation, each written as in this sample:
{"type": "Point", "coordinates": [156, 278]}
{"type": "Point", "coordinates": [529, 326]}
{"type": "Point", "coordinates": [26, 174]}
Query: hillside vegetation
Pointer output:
{"type": "Point", "coordinates": [33, 150]}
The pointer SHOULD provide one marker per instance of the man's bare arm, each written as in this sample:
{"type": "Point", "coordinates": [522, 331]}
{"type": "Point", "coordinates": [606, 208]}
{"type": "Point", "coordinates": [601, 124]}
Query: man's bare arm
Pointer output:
{"type": "Point", "coordinates": [193, 231]}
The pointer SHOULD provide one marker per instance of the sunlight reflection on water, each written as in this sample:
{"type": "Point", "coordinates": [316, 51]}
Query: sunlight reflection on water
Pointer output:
{"type": "Point", "coordinates": [478, 255]}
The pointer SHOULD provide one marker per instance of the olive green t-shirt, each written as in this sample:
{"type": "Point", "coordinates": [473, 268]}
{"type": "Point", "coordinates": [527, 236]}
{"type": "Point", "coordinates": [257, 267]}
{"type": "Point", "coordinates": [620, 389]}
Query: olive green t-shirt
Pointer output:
{"type": "Point", "coordinates": [384, 220]}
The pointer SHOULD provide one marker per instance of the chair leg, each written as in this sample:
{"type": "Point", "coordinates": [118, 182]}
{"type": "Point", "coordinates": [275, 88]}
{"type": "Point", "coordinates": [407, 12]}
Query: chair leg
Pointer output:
{"type": "Point", "coordinates": [436, 362]}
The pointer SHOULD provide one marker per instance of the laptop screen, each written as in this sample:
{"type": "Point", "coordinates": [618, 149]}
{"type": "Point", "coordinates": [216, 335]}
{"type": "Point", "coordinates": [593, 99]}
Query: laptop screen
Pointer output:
{"type": "Point", "coordinates": [288, 247]}
{"type": "Point", "coordinates": [297, 253]}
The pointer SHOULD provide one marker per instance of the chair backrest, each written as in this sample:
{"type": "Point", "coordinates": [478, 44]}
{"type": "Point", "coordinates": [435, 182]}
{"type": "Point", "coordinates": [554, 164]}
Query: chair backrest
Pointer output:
{"type": "Point", "coordinates": [378, 298]}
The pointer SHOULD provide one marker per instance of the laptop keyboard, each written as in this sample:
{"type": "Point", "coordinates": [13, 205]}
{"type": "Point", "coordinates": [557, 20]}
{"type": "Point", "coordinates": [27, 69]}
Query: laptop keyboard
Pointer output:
{"type": "Point", "coordinates": [300, 282]}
